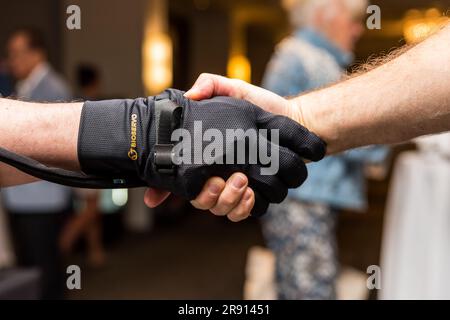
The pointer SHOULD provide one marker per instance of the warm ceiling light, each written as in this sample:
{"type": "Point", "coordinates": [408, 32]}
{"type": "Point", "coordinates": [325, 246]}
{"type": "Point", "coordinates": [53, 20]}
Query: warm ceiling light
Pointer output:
{"type": "Point", "coordinates": [157, 63]}
{"type": "Point", "coordinates": [419, 25]}
{"type": "Point", "coordinates": [156, 49]}
{"type": "Point", "coordinates": [433, 13]}
{"type": "Point", "coordinates": [239, 68]}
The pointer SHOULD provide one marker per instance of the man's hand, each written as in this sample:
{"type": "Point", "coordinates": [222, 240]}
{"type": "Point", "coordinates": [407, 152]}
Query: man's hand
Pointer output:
{"type": "Point", "coordinates": [210, 85]}
{"type": "Point", "coordinates": [156, 140]}
{"type": "Point", "coordinates": [232, 198]}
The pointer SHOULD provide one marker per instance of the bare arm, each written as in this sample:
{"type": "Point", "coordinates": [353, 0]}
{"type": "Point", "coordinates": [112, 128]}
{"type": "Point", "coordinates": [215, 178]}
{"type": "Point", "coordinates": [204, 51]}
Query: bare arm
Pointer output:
{"type": "Point", "coordinates": [45, 132]}
{"type": "Point", "coordinates": [407, 97]}
{"type": "Point", "coordinates": [404, 98]}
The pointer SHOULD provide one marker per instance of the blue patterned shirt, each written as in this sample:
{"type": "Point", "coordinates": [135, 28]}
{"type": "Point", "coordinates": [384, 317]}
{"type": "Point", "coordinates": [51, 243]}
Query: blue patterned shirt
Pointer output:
{"type": "Point", "coordinates": [304, 61]}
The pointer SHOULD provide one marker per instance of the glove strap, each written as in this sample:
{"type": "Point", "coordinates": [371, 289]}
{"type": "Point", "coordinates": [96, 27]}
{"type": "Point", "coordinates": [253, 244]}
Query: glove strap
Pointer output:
{"type": "Point", "coordinates": [66, 177]}
{"type": "Point", "coordinates": [168, 118]}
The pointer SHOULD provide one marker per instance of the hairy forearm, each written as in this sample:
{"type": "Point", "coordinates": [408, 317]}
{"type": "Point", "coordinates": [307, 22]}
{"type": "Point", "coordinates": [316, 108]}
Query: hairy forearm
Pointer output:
{"type": "Point", "coordinates": [404, 98]}
{"type": "Point", "coordinates": [47, 132]}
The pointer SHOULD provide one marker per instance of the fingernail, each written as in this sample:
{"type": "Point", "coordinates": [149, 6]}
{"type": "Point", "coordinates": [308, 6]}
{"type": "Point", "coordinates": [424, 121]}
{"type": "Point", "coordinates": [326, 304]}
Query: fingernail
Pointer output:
{"type": "Point", "coordinates": [247, 195]}
{"type": "Point", "coordinates": [239, 182]}
{"type": "Point", "coordinates": [191, 92]}
{"type": "Point", "coordinates": [214, 189]}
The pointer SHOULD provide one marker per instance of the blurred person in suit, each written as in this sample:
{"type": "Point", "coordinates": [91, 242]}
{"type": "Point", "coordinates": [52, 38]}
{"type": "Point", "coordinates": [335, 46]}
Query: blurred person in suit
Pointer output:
{"type": "Point", "coordinates": [301, 230]}
{"type": "Point", "coordinates": [37, 210]}
{"type": "Point", "coordinates": [5, 80]}
{"type": "Point", "coordinates": [88, 82]}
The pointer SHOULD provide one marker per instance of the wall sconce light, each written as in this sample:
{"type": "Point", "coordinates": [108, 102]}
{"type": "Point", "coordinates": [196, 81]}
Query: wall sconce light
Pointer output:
{"type": "Point", "coordinates": [157, 62]}
{"type": "Point", "coordinates": [156, 48]}
{"type": "Point", "coordinates": [419, 25]}
{"type": "Point", "coordinates": [239, 68]}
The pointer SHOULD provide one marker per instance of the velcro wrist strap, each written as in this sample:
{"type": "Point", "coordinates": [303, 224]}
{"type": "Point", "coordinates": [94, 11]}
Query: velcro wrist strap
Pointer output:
{"type": "Point", "coordinates": [167, 119]}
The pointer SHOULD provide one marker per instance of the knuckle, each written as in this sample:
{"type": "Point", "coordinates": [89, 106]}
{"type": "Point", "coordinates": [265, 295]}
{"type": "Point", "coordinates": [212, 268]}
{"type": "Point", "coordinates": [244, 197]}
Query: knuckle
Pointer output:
{"type": "Point", "coordinates": [205, 76]}
{"type": "Point", "coordinates": [233, 218]}
{"type": "Point", "coordinates": [242, 213]}
{"type": "Point", "coordinates": [245, 211]}
{"type": "Point", "coordinates": [203, 203]}
{"type": "Point", "coordinates": [227, 201]}
{"type": "Point", "coordinates": [217, 211]}
{"type": "Point", "coordinates": [198, 205]}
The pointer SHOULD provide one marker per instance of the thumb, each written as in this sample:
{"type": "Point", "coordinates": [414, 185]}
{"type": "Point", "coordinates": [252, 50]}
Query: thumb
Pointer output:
{"type": "Point", "coordinates": [203, 88]}
{"type": "Point", "coordinates": [193, 94]}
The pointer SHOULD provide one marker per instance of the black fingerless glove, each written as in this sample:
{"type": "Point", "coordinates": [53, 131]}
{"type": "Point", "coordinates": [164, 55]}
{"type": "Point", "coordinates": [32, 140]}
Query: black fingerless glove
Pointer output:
{"type": "Point", "coordinates": [132, 139]}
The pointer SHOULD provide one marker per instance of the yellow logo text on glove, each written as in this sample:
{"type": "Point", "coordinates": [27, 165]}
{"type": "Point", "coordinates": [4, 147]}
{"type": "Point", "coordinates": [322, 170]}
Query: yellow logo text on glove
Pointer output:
{"type": "Point", "coordinates": [132, 153]}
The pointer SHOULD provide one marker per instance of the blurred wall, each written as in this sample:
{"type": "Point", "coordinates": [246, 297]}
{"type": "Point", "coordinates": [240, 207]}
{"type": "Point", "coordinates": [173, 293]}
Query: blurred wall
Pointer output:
{"type": "Point", "coordinates": [42, 14]}
{"type": "Point", "coordinates": [201, 40]}
{"type": "Point", "coordinates": [209, 48]}
{"type": "Point", "coordinates": [6, 252]}
{"type": "Point", "coordinates": [111, 34]}
{"type": "Point", "coordinates": [110, 38]}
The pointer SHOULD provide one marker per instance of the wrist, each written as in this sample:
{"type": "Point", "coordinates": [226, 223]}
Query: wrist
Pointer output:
{"type": "Point", "coordinates": [50, 135]}
{"type": "Point", "coordinates": [312, 113]}
{"type": "Point", "coordinates": [113, 135]}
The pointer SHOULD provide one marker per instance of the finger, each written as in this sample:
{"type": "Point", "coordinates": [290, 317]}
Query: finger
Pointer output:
{"type": "Point", "coordinates": [260, 206]}
{"type": "Point", "coordinates": [203, 87]}
{"type": "Point", "coordinates": [292, 170]}
{"type": "Point", "coordinates": [210, 193]}
{"type": "Point", "coordinates": [284, 163]}
{"type": "Point", "coordinates": [269, 186]}
{"type": "Point", "coordinates": [293, 136]}
{"type": "Point", "coordinates": [243, 209]}
{"type": "Point", "coordinates": [209, 85]}
{"type": "Point", "coordinates": [154, 197]}
{"type": "Point", "coordinates": [231, 195]}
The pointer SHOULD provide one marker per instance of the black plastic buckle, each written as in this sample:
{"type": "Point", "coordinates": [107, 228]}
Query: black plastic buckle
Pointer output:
{"type": "Point", "coordinates": [168, 118]}
{"type": "Point", "coordinates": [163, 158]}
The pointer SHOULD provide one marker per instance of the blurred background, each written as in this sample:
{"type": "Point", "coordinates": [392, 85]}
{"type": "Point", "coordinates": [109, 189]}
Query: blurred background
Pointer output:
{"type": "Point", "coordinates": [124, 249]}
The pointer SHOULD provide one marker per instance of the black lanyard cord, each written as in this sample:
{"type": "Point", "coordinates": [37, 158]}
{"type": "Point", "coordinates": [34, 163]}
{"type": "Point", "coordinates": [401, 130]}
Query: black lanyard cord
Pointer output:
{"type": "Point", "coordinates": [66, 177]}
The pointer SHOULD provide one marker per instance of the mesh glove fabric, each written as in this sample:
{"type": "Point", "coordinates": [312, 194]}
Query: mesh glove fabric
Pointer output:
{"type": "Point", "coordinates": [118, 138]}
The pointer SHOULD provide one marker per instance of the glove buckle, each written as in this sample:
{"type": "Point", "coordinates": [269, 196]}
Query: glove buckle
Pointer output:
{"type": "Point", "coordinates": [168, 117]}
{"type": "Point", "coordinates": [163, 158]}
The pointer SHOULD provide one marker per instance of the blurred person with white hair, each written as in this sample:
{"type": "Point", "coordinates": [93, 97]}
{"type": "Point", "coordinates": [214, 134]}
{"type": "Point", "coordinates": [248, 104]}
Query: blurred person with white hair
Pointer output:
{"type": "Point", "coordinates": [301, 230]}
